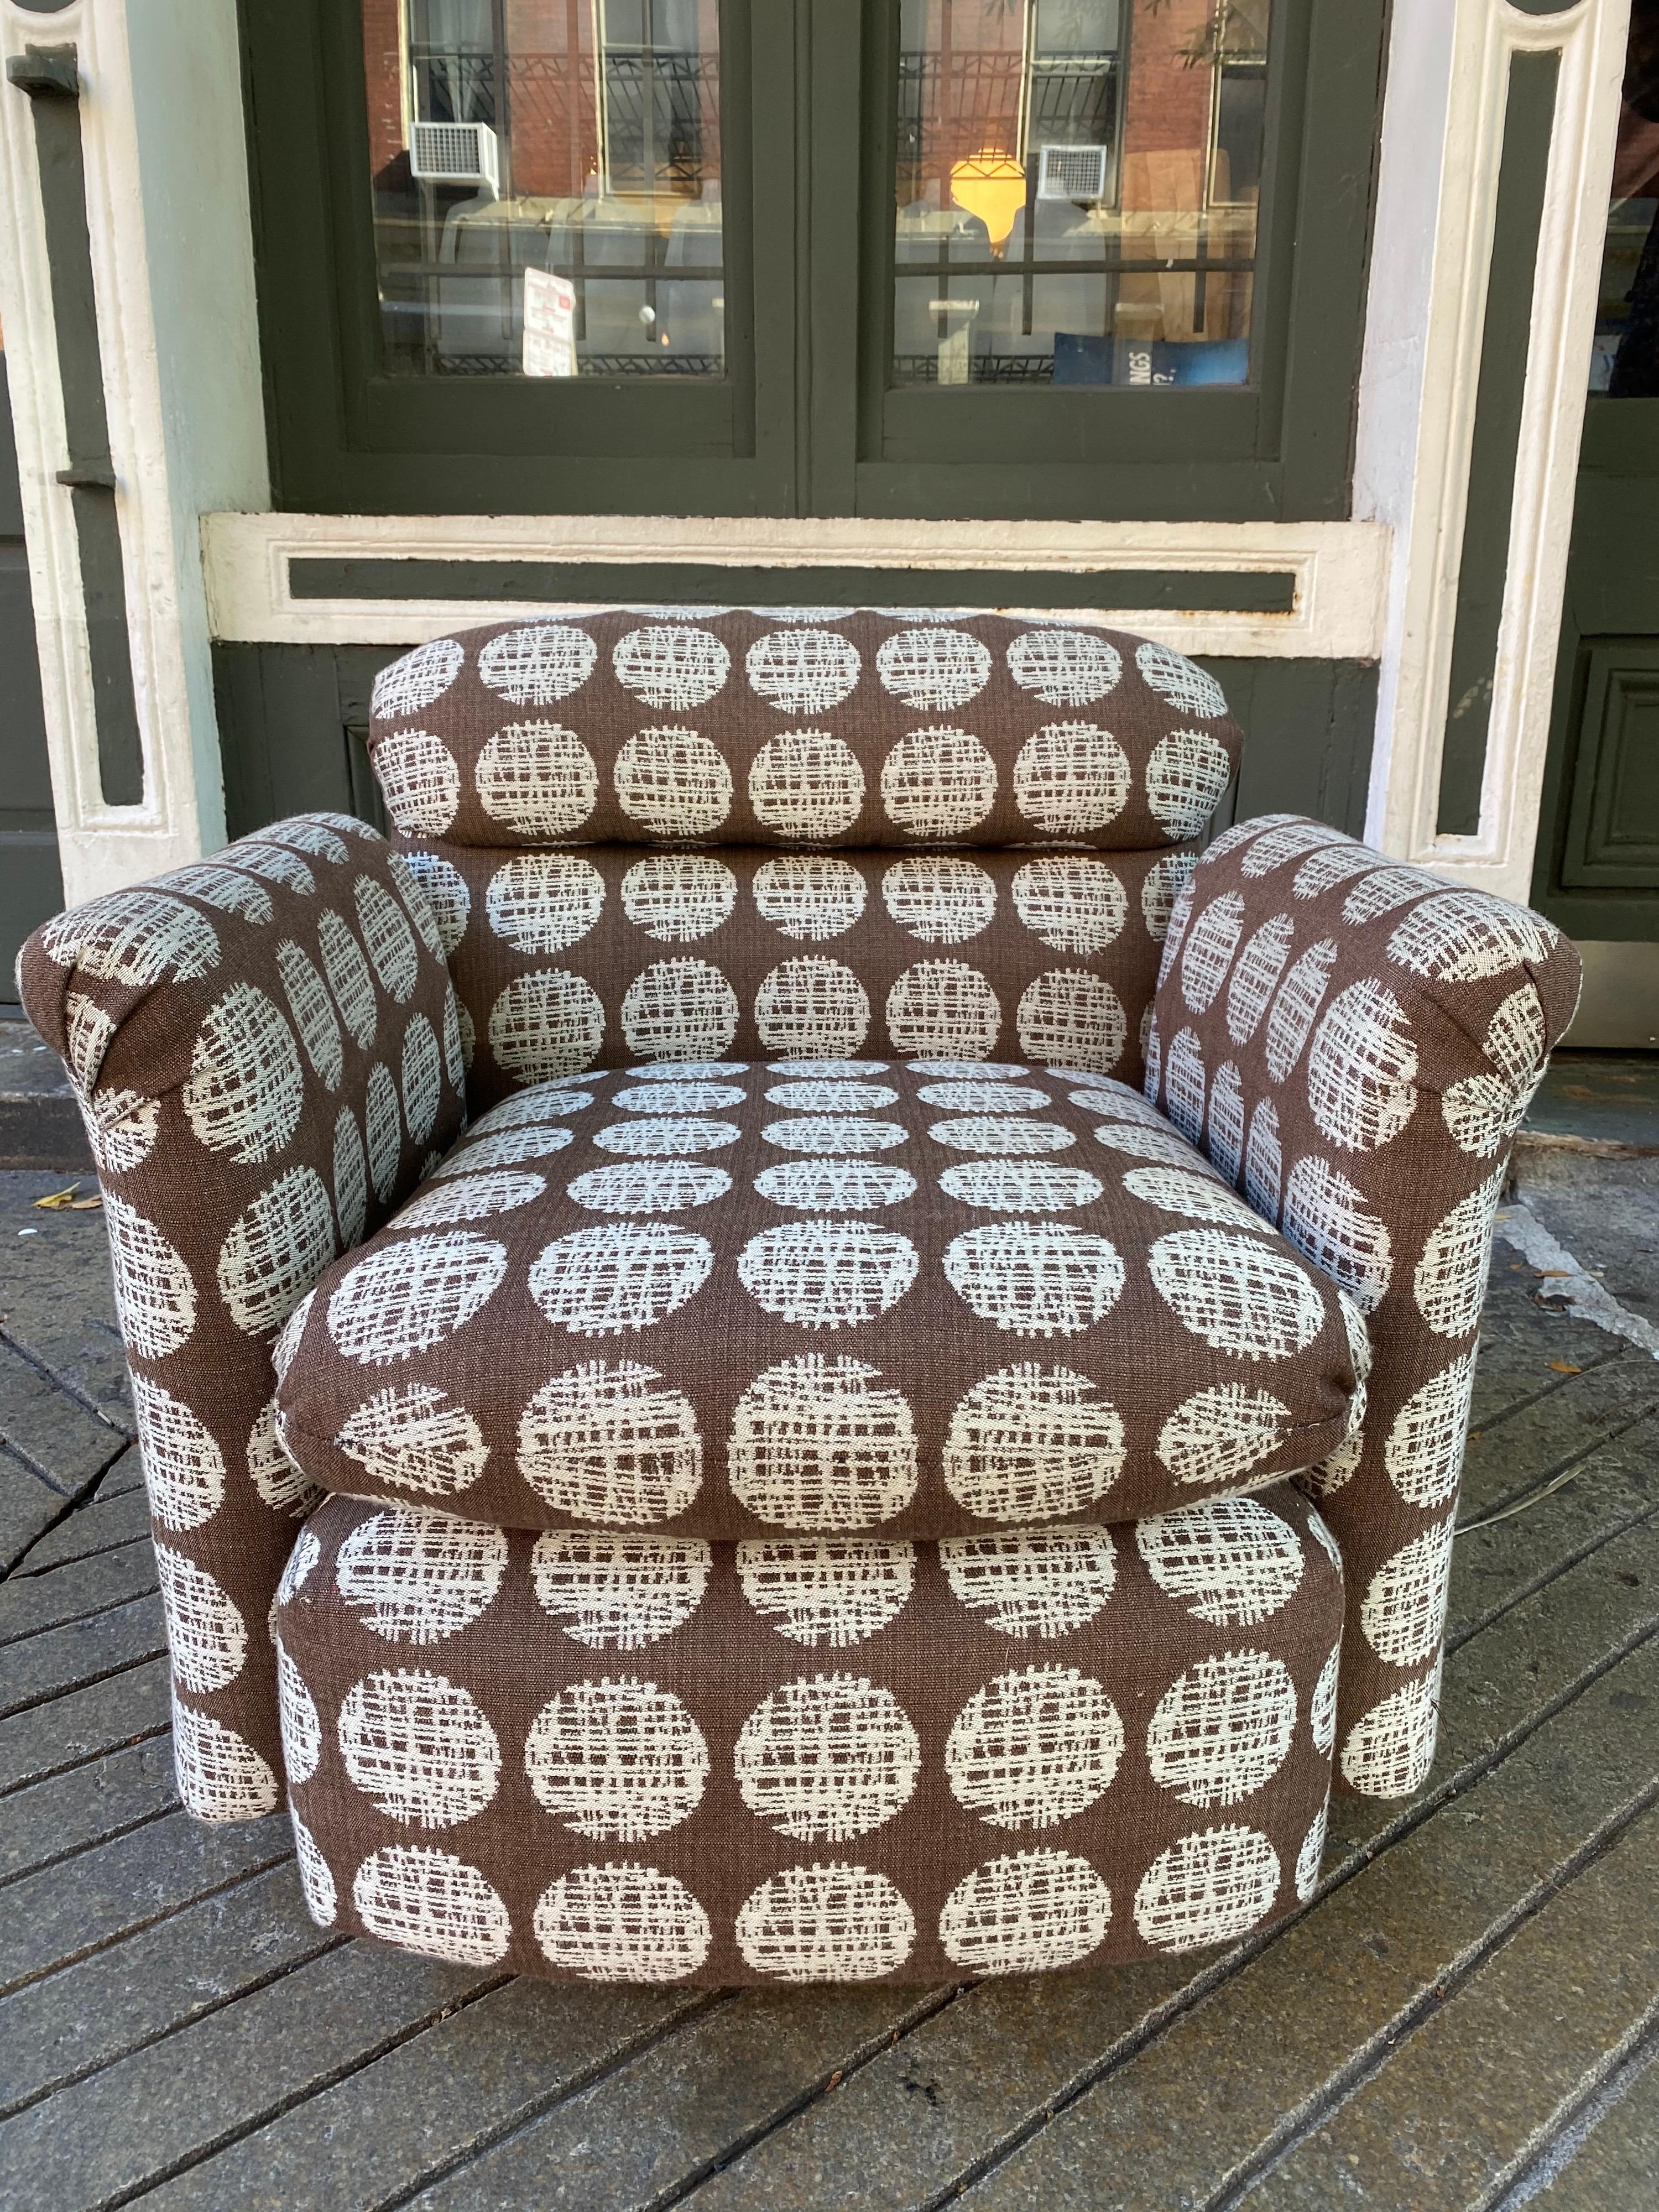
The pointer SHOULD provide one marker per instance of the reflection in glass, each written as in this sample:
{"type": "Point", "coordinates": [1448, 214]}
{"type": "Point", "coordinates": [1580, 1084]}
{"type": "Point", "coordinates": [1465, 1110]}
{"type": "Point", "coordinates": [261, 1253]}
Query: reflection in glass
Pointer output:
{"type": "Point", "coordinates": [1626, 360]}
{"type": "Point", "coordinates": [1077, 191]}
{"type": "Point", "coordinates": [546, 178]}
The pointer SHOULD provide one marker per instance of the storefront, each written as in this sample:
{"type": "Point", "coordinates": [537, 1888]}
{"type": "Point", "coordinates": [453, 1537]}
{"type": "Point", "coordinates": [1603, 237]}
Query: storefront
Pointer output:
{"type": "Point", "coordinates": [1261, 325]}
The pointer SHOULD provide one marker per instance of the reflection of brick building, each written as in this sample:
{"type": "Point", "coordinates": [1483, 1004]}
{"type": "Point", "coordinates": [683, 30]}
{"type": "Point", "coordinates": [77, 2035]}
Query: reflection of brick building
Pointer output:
{"type": "Point", "coordinates": [1166, 106]}
{"type": "Point", "coordinates": [539, 85]}
{"type": "Point", "coordinates": [383, 72]}
{"type": "Point", "coordinates": [995, 79]}
{"type": "Point", "coordinates": [551, 96]}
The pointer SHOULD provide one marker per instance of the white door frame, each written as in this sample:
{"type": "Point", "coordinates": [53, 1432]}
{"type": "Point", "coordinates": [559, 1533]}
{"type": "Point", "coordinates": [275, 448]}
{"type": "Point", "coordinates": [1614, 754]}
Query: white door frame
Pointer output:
{"type": "Point", "coordinates": [1442, 138]}
{"type": "Point", "coordinates": [173, 274]}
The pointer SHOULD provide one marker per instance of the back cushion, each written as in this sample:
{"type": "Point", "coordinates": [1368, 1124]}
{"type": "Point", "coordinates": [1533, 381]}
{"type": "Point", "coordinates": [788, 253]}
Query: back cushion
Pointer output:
{"type": "Point", "coordinates": [569, 960]}
{"type": "Point", "coordinates": [773, 761]}
{"type": "Point", "coordinates": [816, 727]}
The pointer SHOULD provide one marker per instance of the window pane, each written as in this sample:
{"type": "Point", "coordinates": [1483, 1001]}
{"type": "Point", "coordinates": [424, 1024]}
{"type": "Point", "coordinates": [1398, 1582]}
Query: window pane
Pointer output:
{"type": "Point", "coordinates": [1626, 360]}
{"type": "Point", "coordinates": [546, 179]}
{"type": "Point", "coordinates": [1077, 191]}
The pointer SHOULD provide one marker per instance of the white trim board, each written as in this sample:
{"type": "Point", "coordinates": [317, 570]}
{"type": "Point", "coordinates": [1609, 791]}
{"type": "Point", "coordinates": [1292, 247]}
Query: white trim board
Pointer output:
{"type": "Point", "coordinates": [1340, 569]}
{"type": "Point", "coordinates": [1443, 134]}
{"type": "Point", "coordinates": [173, 278]}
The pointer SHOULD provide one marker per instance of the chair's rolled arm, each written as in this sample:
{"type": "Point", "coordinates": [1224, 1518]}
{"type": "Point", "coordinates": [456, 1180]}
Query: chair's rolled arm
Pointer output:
{"type": "Point", "coordinates": [1355, 1043]}
{"type": "Point", "coordinates": [266, 1047]}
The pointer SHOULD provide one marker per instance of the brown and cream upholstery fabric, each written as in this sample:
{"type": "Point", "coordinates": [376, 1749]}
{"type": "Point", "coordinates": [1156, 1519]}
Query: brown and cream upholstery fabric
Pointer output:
{"type": "Point", "coordinates": [1354, 1044]}
{"type": "Point", "coordinates": [566, 961]}
{"type": "Point", "coordinates": [651, 1758]}
{"type": "Point", "coordinates": [814, 727]}
{"type": "Point", "coordinates": [1020, 748]}
{"type": "Point", "coordinates": [266, 1051]}
{"type": "Point", "coordinates": [828, 1482]}
{"type": "Point", "coordinates": [825, 1296]}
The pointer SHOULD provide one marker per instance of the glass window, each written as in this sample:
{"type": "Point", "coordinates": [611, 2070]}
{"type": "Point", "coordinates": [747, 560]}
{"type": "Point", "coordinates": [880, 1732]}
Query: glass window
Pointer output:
{"type": "Point", "coordinates": [1077, 189]}
{"type": "Point", "coordinates": [546, 178]}
{"type": "Point", "coordinates": [758, 257]}
{"type": "Point", "coordinates": [1624, 363]}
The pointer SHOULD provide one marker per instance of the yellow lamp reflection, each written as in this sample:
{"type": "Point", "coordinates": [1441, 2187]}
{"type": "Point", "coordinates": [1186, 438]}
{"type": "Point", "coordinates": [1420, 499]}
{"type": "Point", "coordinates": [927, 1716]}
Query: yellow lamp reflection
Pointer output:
{"type": "Point", "coordinates": [991, 186]}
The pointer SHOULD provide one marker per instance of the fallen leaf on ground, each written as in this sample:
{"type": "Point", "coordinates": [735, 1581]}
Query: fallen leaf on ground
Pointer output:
{"type": "Point", "coordinates": [1563, 1367]}
{"type": "Point", "coordinates": [56, 1199]}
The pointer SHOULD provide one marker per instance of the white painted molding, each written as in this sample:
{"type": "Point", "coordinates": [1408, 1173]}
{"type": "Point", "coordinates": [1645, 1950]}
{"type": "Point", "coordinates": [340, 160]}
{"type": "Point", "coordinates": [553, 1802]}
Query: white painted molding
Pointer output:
{"type": "Point", "coordinates": [1340, 568]}
{"type": "Point", "coordinates": [1442, 146]}
{"type": "Point", "coordinates": [185, 422]}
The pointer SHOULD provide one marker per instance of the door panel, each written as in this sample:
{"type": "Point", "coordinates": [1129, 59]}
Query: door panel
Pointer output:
{"type": "Point", "coordinates": [1613, 818]}
{"type": "Point", "coordinates": [31, 887]}
{"type": "Point", "coordinates": [1597, 866]}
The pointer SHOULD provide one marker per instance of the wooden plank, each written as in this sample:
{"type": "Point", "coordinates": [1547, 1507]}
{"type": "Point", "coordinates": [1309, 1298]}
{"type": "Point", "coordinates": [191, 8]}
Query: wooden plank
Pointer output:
{"type": "Point", "coordinates": [458, 2086]}
{"type": "Point", "coordinates": [56, 1434]}
{"type": "Point", "coordinates": [1504, 1677]}
{"type": "Point", "coordinates": [126, 2128]}
{"type": "Point", "coordinates": [1615, 2163]}
{"type": "Point", "coordinates": [57, 1302]}
{"type": "Point", "coordinates": [28, 1506]}
{"type": "Point", "coordinates": [649, 2127]}
{"type": "Point", "coordinates": [84, 1724]}
{"type": "Point", "coordinates": [1196, 2104]}
{"type": "Point", "coordinates": [31, 1602]}
{"type": "Point", "coordinates": [153, 1983]}
{"type": "Point", "coordinates": [1457, 2103]}
{"type": "Point", "coordinates": [1515, 1452]}
{"type": "Point", "coordinates": [1519, 1338]}
{"type": "Point", "coordinates": [127, 1474]}
{"type": "Point", "coordinates": [82, 1651]}
{"type": "Point", "coordinates": [90, 1803]}
{"type": "Point", "coordinates": [1500, 1564]}
{"type": "Point", "coordinates": [51, 1918]}
{"type": "Point", "coordinates": [944, 2097]}
{"type": "Point", "coordinates": [98, 1526]}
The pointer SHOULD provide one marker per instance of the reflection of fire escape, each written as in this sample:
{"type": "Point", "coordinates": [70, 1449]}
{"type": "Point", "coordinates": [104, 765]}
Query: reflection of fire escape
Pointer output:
{"type": "Point", "coordinates": [661, 110]}
{"type": "Point", "coordinates": [957, 105]}
{"type": "Point", "coordinates": [655, 104]}
{"type": "Point", "coordinates": [986, 103]}
{"type": "Point", "coordinates": [660, 107]}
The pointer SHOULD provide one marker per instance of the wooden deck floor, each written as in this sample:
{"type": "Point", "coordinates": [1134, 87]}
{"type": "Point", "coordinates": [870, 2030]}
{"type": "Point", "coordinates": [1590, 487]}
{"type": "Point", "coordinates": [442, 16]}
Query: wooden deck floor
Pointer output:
{"type": "Point", "coordinates": [1464, 2016]}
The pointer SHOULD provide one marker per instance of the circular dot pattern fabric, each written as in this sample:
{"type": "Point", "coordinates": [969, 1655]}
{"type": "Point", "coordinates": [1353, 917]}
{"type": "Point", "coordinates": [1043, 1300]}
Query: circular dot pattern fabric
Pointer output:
{"type": "Point", "coordinates": [1354, 1044]}
{"type": "Point", "coordinates": [867, 727]}
{"type": "Point", "coordinates": [267, 1050]}
{"type": "Point", "coordinates": [786, 1297]}
{"type": "Point", "coordinates": [567, 960]}
{"type": "Point", "coordinates": [875, 1127]}
{"type": "Point", "coordinates": [649, 1759]}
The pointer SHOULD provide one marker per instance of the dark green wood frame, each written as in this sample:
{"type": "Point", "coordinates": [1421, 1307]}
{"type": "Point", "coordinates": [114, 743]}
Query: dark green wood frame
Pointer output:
{"type": "Point", "coordinates": [1609, 617]}
{"type": "Point", "coordinates": [805, 422]}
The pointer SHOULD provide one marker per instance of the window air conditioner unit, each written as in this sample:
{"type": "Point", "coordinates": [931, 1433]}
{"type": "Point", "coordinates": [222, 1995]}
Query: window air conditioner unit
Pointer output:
{"type": "Point", "coordinates": [1072, 172]}
{"type": "Point", "coordinates": [455, 154]}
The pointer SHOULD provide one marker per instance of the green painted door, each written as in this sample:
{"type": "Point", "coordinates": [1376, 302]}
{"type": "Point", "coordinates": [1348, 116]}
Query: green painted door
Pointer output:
{"type": "Point", "coordinates": [1598, 855]}
{"type": "Point", "coordinates": [30, 886]}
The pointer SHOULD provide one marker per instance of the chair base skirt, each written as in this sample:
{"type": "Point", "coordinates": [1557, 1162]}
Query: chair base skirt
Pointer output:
{"type": "Point", "coordinates": [825, 1759]}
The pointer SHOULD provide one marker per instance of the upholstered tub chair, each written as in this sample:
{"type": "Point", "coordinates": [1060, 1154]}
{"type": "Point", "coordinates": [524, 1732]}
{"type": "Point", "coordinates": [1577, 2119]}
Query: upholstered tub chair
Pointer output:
{"type": "Point", "coordinates": [788, 1341]}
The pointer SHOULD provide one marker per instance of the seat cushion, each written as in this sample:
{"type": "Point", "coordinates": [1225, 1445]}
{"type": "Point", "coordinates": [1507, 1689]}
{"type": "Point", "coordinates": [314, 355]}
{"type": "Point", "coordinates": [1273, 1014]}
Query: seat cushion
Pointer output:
{"type": "Point", "coordinates": [721, 1299]}
{"type": "Point", "coordinates": [642, 1757]}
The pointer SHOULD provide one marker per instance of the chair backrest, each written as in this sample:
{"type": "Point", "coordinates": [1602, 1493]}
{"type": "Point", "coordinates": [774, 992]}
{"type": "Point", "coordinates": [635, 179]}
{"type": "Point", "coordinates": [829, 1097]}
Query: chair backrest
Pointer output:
{"type": "Point", "coordinates": [674, 833]}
